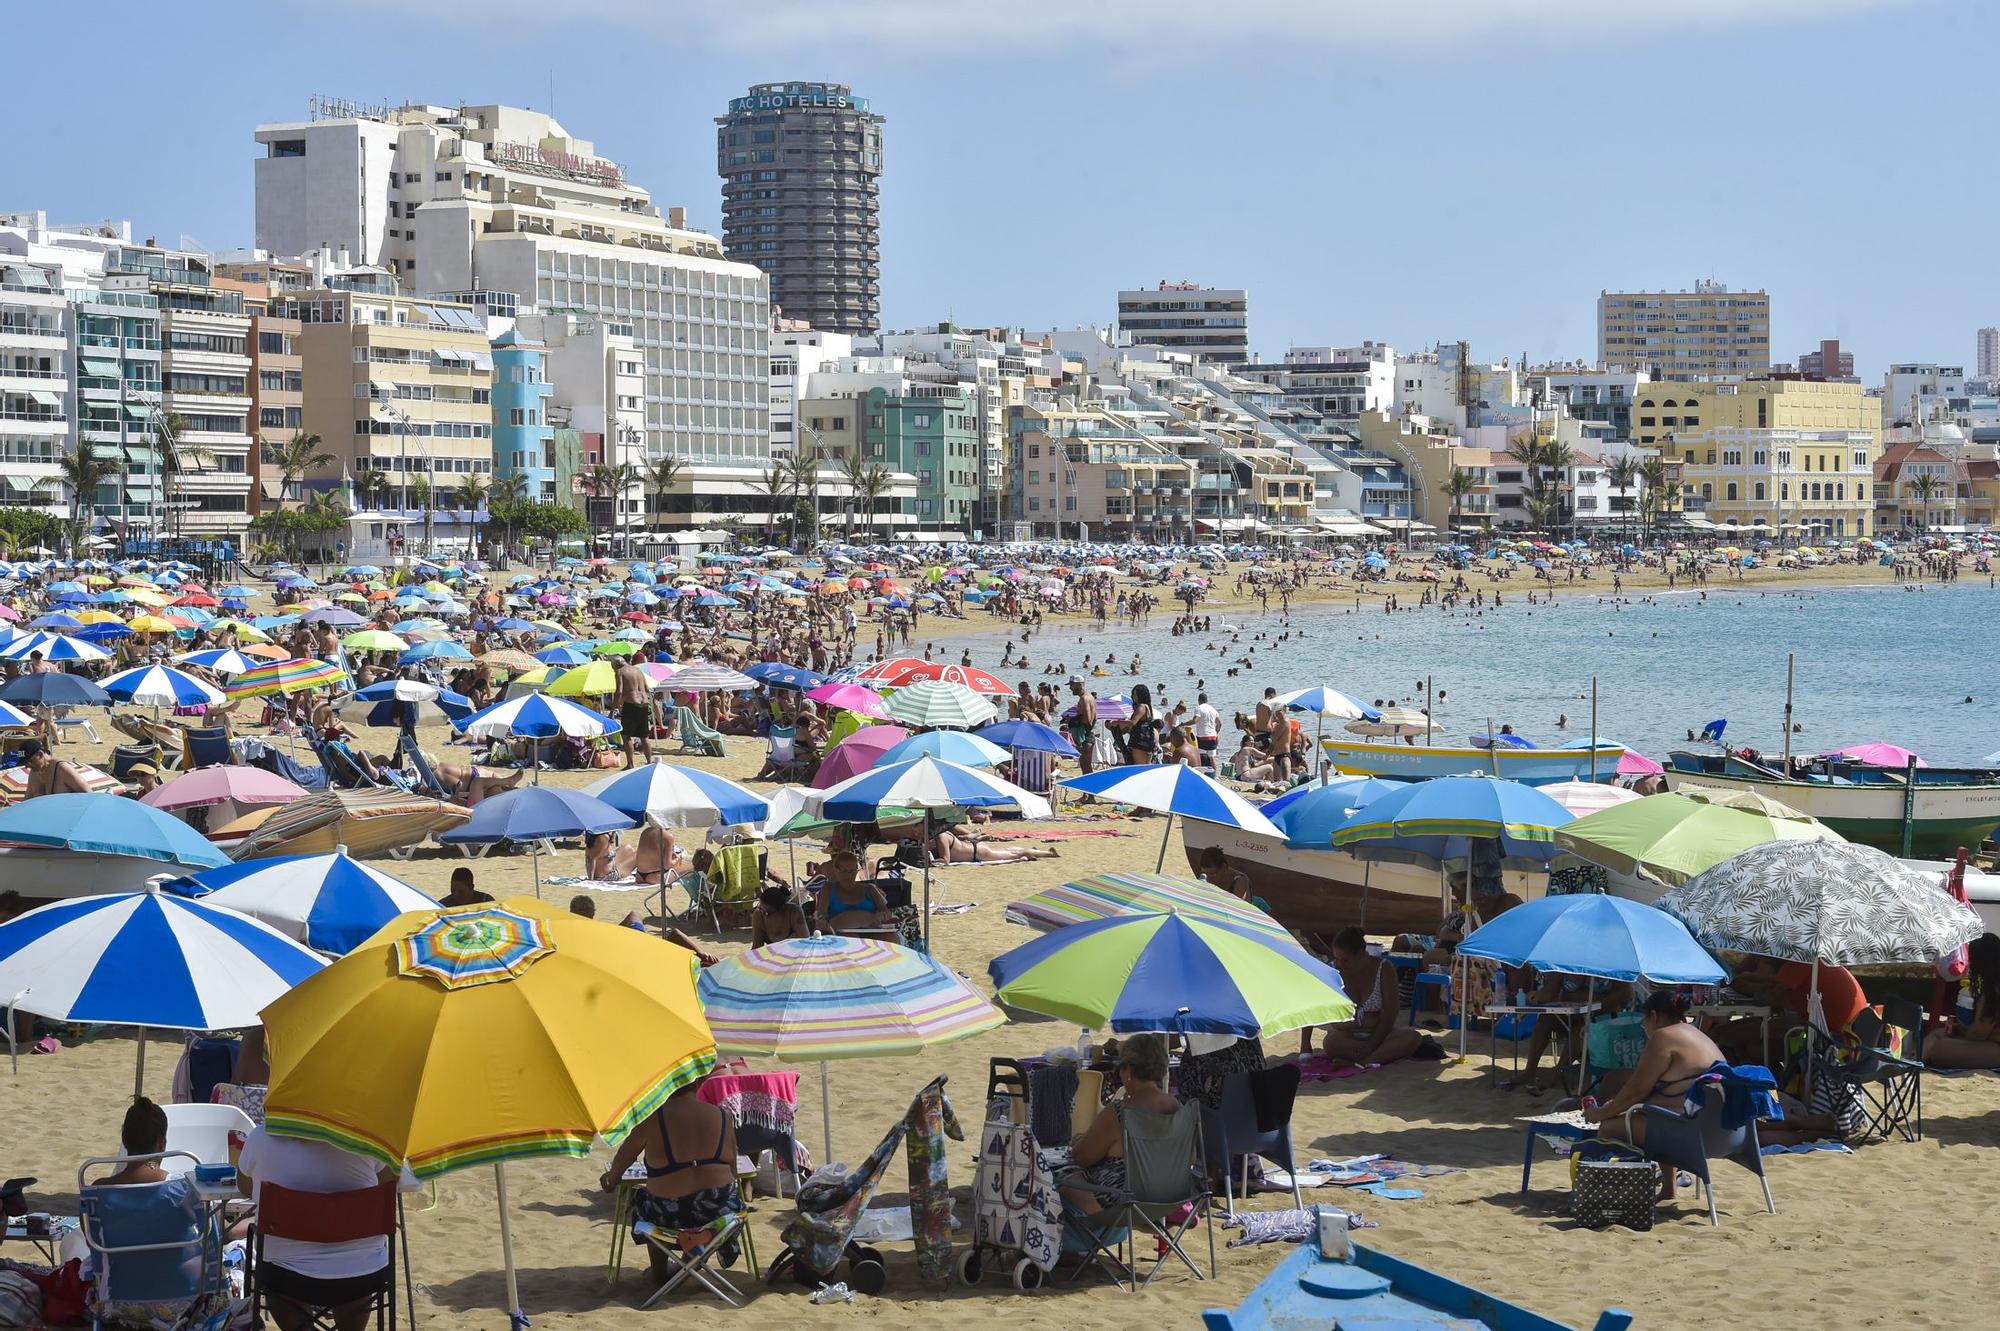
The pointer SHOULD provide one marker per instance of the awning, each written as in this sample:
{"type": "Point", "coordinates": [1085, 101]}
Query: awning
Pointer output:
{"type": "Point", "coordinates": [45, 397]}
{"type": "Point", "coordinates": [381, 386]}
{"type": "Point", "coordinates": [138, 411]}
{"type": "Point", "coordinates": [102, 369]}
{"type": "Point", "coordinates": [449, 356]}
{"type": "Point", "coordinates": [481, 361]}
{"type": "Point", "coordinates": [24, 484]}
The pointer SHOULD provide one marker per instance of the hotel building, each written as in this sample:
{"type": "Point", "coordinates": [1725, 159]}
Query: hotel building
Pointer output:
{"type": "Point", "coordinates": [1709, 332]}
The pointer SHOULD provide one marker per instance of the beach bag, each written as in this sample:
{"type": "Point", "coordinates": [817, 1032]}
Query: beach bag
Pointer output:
{"type": "Point", "coordinates": [1617, 1042]}
{"type": "Point", "coordinates": [1615, 1192]}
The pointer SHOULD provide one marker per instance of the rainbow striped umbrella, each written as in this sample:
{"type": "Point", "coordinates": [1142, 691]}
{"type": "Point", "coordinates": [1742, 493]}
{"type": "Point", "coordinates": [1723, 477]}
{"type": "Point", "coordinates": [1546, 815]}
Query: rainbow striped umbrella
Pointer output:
{"type": "Point", "coordinates": [826, 997]}
{"type": "Point", "coordinates": [479, 947]}
{"type": "Point", "coordinates": [1107, 894]}
{"type": "Point", "coordinates": [292, 676]}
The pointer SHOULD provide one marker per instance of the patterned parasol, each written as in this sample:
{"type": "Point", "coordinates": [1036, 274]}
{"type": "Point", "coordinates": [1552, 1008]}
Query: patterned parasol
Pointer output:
{"type": "Point", "coordinates": [474, 945]}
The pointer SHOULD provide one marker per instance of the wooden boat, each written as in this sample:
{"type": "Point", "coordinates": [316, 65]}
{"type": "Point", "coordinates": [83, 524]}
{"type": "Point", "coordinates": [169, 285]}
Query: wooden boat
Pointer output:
{"type": "Point", "coordinates": [1420, 762]}
{"type": "Point", "coordinates": [1322, 891]}
{"type": "Point", "coordinates": [1373, 1289]}
{"type": "Point", "coordinates": [1948, 807]}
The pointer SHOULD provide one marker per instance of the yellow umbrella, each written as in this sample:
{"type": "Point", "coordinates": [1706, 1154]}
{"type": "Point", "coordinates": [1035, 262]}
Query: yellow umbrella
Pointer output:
{"type": "Point", "coordinates": [244, 630]}
{"type": "Point", "coordinates": [98, 617]}
{"type": "Point", "coordinates": [489, 1033]}
{"type": "Point", "coordinates": [373, 640]}
{"type": "Point", "coordinates": [585, 680]}
{"type": "Point", "coordinates": [147, 596]}
{"type": "Point", "coordinates": [149, 624]}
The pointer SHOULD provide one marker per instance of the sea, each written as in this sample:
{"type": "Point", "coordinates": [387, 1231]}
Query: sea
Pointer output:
{"type": "Point", "coordinates": [1914, 667]}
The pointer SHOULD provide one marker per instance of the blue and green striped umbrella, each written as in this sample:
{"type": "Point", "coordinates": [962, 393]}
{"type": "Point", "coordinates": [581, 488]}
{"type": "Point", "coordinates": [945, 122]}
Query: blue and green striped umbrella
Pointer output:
{"type": "Point", "coordinates": [1172, 973]}
{"type": "Point", "coordinates": [1438, 820]}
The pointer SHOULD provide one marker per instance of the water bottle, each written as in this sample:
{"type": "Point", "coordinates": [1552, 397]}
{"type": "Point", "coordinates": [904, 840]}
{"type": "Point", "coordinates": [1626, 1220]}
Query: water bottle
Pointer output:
{"type": "Point", "coordinates": [1520, 998]}
{"type": "Point", "coordinates": [1966, 1006]}
{"type": "Point", "coordinates": [1083, 1047]}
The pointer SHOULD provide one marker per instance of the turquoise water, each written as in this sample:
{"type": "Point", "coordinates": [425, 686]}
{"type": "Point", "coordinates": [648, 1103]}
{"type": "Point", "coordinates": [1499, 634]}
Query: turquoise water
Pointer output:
{"type": "Point", "coordinates": [1873, 663]}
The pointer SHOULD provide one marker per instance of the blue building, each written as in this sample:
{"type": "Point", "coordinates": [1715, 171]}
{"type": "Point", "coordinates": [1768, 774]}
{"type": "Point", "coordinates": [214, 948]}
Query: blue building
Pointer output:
{"type": "Point", "coordinates": [523, 441]}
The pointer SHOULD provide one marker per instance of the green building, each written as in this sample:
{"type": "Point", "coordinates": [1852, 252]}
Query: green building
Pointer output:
{"type": "Point", "coordinates": [935, 439]}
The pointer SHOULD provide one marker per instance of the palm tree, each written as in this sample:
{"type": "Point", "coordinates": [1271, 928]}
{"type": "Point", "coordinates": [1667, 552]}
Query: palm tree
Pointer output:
{"type": "Point", "coordinates": [371, 487]}
{"type": "Point", "coordinates": [419, 493]}
{"type": "Point", "coordinates": [1456, 487]}
{"type": "Point", "coordinates": [874, 484]}
{"type": "Point", "coordinates": [294, 458]}
{"type": "Point", "coordinates": [505, 493]}
{"type": "Point", "coordinates": [853, 471]}
{"type": "Point", "coordinates": [1925, 487]}
{"type": "Point", "coordinates": [660, 476]}
{"type": "Point", "coordinates": [329, 513]}
{"type": "Point", "coordinates": [802, 474]}
{"type": "Point", "coordinates": [84, 474]}
{"type": "Point", "coordinates": [470, 493]}
{"type": "Point", "coordinates": [1623, 473]}
{"type": "Point", "coordinates": [1653, 474]}
{"type": "Point", "coordinates": [771, 486]}
{"type": "Point", "coordinates": [610, 481]}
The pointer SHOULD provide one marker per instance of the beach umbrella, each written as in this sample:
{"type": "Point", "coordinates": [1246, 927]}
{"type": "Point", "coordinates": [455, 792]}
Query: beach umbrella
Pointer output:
{"type": "Point", "coordinates": [566, 654]}
{"type": "Point", "coordinates": [928, 784]}
{"type": "Point", "coordinates": [1878, 754]}
{"type": "Point", "coordinates": [221, 660]}
{"type": "Point", "coordinates": [776, 674]}
{"type": "Point", "coordinates": [592, 680]}
{"type": "Point", "coordinates": [1439, 819]}
{"type": "Point", "coordinates": [1747, 800]}
{"type": "Point", "coordinates": [675, 796]}
{"type": "Point", "coordinates": [1671, 838]}
{"type": "Point", "coordinates": [971, 677]}
{"type": "Point", "coordinates": [856, 754]}
{"type": "Point", "coordinates": [489, 1033]}
{"type": "Point", "coordinates": [1602, 937]}
{"type": "Point", "coordinates": [13, 718]}
{"type": "Point", "coordinates": [373, 640]}
{"type": "Point", "coordinates": [827, 997]}
{"type": "Point", "coordinates": [161, 686]}
{"type": "Point", "coordinates": [856, 698]}
{"type": "Point", "coordinates": [531, 815]}
{"type": "Point", "coordinates": [444, 649]}
{"type": "Point", "coordinates": [1587, 797]}
{"type": "Point", "coordinates": [536, 716]}
{"type": "Point", "coordinates": [53, 689]}
{"type": "Point", "coordinates": [933, 703]}
{"type": "Point", "coordinates": [296, 675]}
{"type": "Point", "coordinates": [107, 825]}
{"type": "Point", "coordinates": [1031, 736]}
{"type": "Point", "coordinates": [386, 699]}
{"type": "Point", "coordinates": [883, 674]}
{"type": "Point", "coordinates": [511, 661]}
{"type": "Point", "coordinates": [145, 959]}
{"type": "Point", "coordinates": [331, 903]}
{"type": "Point", "coordinates": [54, 647]}
{"type": "Point", "coordinates": [1172, 788]}
{"type": "Point", "coordinates": [334, 616]}
{"type": "Point", "coordinates": [220, 785]}
{"type": "Point", "coordinates": [1104, 895]}
{"type": "Point", "coordinates": [954, 746]}
{"type": "Point", "coordinates": [1170, 973]}
{"type": "Point", "coordinates": [708, 677]}
{"type": "Point", "coordinates": [1308, 814]}
{"type": "Point", "coordinates": [1323, 701]}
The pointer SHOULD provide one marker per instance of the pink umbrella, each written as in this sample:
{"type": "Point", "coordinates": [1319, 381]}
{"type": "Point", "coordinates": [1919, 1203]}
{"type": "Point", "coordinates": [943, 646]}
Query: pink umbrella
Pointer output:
{"type": "Point", "coordinates": [9, 612]}
{"type": "Point", "coordinates": [1637, 764]}
{"type": "Point", "coordinates": [215, 785]}
{"type": "Point", "coordinates": [856, 754]}
{"type": "Point", "coordinates": [1877, 754]}
{"type": "Point", "coordinates": [849, 698]}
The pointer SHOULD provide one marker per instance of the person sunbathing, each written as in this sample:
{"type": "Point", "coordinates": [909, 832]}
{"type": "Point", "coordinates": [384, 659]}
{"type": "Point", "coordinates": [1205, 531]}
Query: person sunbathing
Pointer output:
{"type": "Point", "coordinates": [776, 917]}
{"type": "Point", "coordinates": [48, 775]}
{"type": "Point", "coordinates": [1373, 1035]}
{"type": "Point", "coordinates": [468, 785]}
{"type": "Point", "coordinates": [607, 860]}
{"type": "Point", "coordinates": [949, 847]}
{"type": "Point", "coordinates": [689, 1150]}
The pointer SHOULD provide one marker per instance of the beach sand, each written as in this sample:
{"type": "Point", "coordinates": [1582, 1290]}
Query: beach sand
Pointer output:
{"type": "Point", "coordinates": [1887, 1237]}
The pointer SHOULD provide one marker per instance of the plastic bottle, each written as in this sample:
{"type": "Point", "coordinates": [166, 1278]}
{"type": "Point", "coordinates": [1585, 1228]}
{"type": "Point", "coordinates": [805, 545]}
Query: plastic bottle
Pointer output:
{"type": "Point", "coordinates": [1520, 998]}
{"type": "Point", "coordinates": [1083, 1047]}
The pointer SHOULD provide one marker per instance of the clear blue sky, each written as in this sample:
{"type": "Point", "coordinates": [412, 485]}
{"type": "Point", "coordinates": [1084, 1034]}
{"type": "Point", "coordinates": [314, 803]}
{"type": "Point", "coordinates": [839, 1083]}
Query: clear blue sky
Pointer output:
{"type": "Point", "coordinates": [1474, 169]}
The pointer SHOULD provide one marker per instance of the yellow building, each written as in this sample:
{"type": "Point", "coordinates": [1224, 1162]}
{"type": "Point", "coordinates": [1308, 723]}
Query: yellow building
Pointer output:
{"type": "Point", "coordinates": [1672, 411]}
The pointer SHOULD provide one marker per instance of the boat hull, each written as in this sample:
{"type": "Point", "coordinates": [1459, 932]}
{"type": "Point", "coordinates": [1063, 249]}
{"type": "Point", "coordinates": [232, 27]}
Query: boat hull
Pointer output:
{"type": "Point", "coordinates": [1944, 817]}
{"type": "Point", "coordinates": [1321, 892]}
{"type": "Point", "coordinates": [1422, 762]}
{"type": "Point", "coordinates": [51, 874]}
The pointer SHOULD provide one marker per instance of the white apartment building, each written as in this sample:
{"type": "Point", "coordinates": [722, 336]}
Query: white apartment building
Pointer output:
{"type": "Point", "coordinates": [1209, 322]}
{"type": "Point", "coordinates": [1448, 386]}
{"type": "Point", "coordinates": [492, 197]}
{"type": "Point", "coordinates": [798, 354]}
{"type": "Point", "coordinates": [1913, 392]}
{"type": "Point", "coordinates": [1339, 383]}
{"type": "Point", "coordinates": [37, 392]}
{"type": "Point", "coordinates": [598, 378]}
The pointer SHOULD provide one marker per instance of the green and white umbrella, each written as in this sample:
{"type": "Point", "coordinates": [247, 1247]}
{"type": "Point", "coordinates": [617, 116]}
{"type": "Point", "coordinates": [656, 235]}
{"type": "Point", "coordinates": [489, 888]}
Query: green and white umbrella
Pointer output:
{"type": "Point", "coordinates": [936, 702]}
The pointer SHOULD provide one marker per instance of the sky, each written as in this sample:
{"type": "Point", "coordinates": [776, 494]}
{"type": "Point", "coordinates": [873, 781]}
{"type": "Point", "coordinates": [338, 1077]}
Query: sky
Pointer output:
{"type": "Point", "coordinates": [1409, 171]}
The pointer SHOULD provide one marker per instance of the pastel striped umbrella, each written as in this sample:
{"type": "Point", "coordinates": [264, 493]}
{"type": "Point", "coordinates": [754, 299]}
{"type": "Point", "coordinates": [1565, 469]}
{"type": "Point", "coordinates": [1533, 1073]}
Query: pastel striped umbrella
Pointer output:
{"type": "Point", "coordinates": [815, 999]}
{"type": "Point", "coordinates": [1172, 973]}
{"type": "Point", "coordinates": [934, 702]}
{"type": "Point", "coordinates": [296, 675]}
{"type": "Point", "coordinates": [707, 677]}
{"type": "Point", "coordinates": [459, 949]}
{"type": "Point", "coordinates": [1104, 895]}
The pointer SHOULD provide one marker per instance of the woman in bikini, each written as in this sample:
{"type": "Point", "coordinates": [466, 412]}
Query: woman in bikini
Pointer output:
{"type": "Point", "coordinates": [689, 1147]}
{"type": "Point", "coordinates": [1676, 1056]}
{"type": "Point", "coordinates": [1373, 1034]}
{"type": "Point", "coordinates": [846, 903]}
{"type": "Point", "coordinates": [950, 847]}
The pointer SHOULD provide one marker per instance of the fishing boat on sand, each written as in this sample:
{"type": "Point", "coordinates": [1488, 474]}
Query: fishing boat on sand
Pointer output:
{"type": "Point", "coordinates": [1942, 809]}
{"type": "Point", "coordinates": [1420, 761]}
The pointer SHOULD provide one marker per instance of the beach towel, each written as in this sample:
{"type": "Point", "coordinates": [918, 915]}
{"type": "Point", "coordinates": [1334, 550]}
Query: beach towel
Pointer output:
{"type": "Point", "coordinates": [1318, 1067]}
{"type": "Point", "coordinates": [1292, 1225]}
{"type": "Point", "coordinates": [930, 1121]}
{"type": "Point", "coordinates": [1051, 1092]}
{"type": "Point", "coordinates": [631, 884]}
{"type": "Point", "coordinates": [1049, 833]}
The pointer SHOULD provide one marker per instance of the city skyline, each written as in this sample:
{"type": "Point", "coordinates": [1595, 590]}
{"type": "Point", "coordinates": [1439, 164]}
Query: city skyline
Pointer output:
{"type": "Point", "coordinates": [1407, 182]}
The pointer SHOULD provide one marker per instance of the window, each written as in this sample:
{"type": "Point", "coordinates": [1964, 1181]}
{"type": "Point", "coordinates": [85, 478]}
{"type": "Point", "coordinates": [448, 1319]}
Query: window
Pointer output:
{"type": "Point", "coordinates": [876, 420]}
{"type": "Point", "coordinates": [1757, 491]}
{"type": "Point", "coordinates": [516, 417]}
{"type": "Point", "coordinates": [1729, 491]}
{"type": "Point", "coordinates": [920, 420]}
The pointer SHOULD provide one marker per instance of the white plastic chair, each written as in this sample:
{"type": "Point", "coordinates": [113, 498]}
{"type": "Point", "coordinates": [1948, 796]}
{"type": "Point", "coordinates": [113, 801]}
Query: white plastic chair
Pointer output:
{"type": "Point", "coordinates": [201, 1131]}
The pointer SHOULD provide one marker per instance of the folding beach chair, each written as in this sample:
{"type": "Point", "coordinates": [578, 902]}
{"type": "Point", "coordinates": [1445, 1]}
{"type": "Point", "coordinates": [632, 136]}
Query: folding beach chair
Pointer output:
{"type": "Point", "coordinates": [1255, 1118]}
{"type": "Point", "coordinates": [205, 747]}
{"type": "Point", "coordinates": [782, 757]}
{"type": "Point", "coordinates": [732, 882]}
{"type": "Point", "coordinates": [1692, 1141]}
{"type": "Point", "coordinates": [1166, 1195]}
{"type": "Point", "coordinates": [127, 756]}
{"type": "Point", "coordinates": [156, 1257]}
{"type": "Point", "coordinates": [689, 1254]}
{"type": "Point", "coordinates": [1872, 1090]}
{"type": "Point", "coordinates": [1032, 770]}
{"type": "Point", "coordinates": [326, 1217]}
{"type": "Point", "coordinates": [427, 782]}
{"type": "Point", "coordinates": [697, 736]}
{"type": "Point", "coordinates": [66, 719]}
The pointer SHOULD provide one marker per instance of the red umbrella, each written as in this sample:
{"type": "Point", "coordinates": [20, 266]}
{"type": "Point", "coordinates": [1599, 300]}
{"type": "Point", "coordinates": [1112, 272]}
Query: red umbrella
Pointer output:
{"type": "Point", "coordinates": [890, 673]}
{"type": "Point", "coordinates": [198, 598]}
{"type": "Point", "coordinates": [636, 617]}
{"type": "Point", "coordinates": [972, 677]}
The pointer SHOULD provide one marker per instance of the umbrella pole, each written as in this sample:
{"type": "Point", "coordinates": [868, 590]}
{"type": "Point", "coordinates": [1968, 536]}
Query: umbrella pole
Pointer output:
{"type": "Point", "coordinates": [825, 1114]}
{"type": "Point", "coordinates": [927, 884]}
{"type": "Point", "coordinates": [516, 1319]}
{"type": "Point", "coordinates": [1161, 863]}
{"type": "Point", "coordinates": [1367, 871]}
{"type": "Point", "coordinates": [139, 1073]}
{"type": "Point", "coordinates": [535, 857]}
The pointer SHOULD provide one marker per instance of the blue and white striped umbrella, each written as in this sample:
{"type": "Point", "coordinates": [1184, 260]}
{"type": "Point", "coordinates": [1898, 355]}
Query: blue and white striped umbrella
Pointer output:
{"type": "Point", "coordinates": [53, 647]}
{"type": "Point", "coordinates": [954, 746]}
{"type": "Point", "coordinates": [13, 718]}
{"type": "Point", "coordinates": [331, 903]}
{"type": "Point", "coordinates": [147, 959]}
{"type": "Point", "coordinates": [680, 797]}
{"type": "Point", "coordinates": [1327, 702]}
{"type": "Point", "coordinates": [536, 716]}
{"type": "Point", "coordinates": [1171, 788]}
{"type": "Point", "coordinates": [924, 783]}
{"type": "Point", "coordinates": [162, 686]}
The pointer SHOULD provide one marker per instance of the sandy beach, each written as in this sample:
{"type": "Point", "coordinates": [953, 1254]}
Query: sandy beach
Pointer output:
{"type": "Point", "coordinates": [1861, 1240]}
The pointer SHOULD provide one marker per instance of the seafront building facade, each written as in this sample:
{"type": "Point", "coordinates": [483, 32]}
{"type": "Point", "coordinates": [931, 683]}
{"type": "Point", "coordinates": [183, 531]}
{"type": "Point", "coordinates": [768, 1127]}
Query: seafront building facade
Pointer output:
{"type": "Point", "coordinates": [38, 399]}
{"type": "Point", "coordinates": [1209, 322]}
{"type": "Point", "coordinates": [523, 436]}
{"type": "Point", "coordinates": [1708, 332]}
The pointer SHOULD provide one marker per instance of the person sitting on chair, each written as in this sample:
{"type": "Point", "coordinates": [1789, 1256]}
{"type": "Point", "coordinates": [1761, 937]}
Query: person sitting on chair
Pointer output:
{"type": "Point", "coordinates": [1977, 1045]}
{"type": "Point", "coordinates": [143, 1133]}
{"type": "Point", "coordinates": [1676, 1056]}
{"type": "Point", "coordinates": [776, 917]}
{"type": "Point", "coordinates": [1373, 1035]}
{"type": "Point", "coordinates": [689, 1148]}
{"type": "Point", "coordinates": [844, 902]}
{"type": "Point", "coordinates": [299, 1276]}
{"type": "Point", "coordinates": [1095, 1177]}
